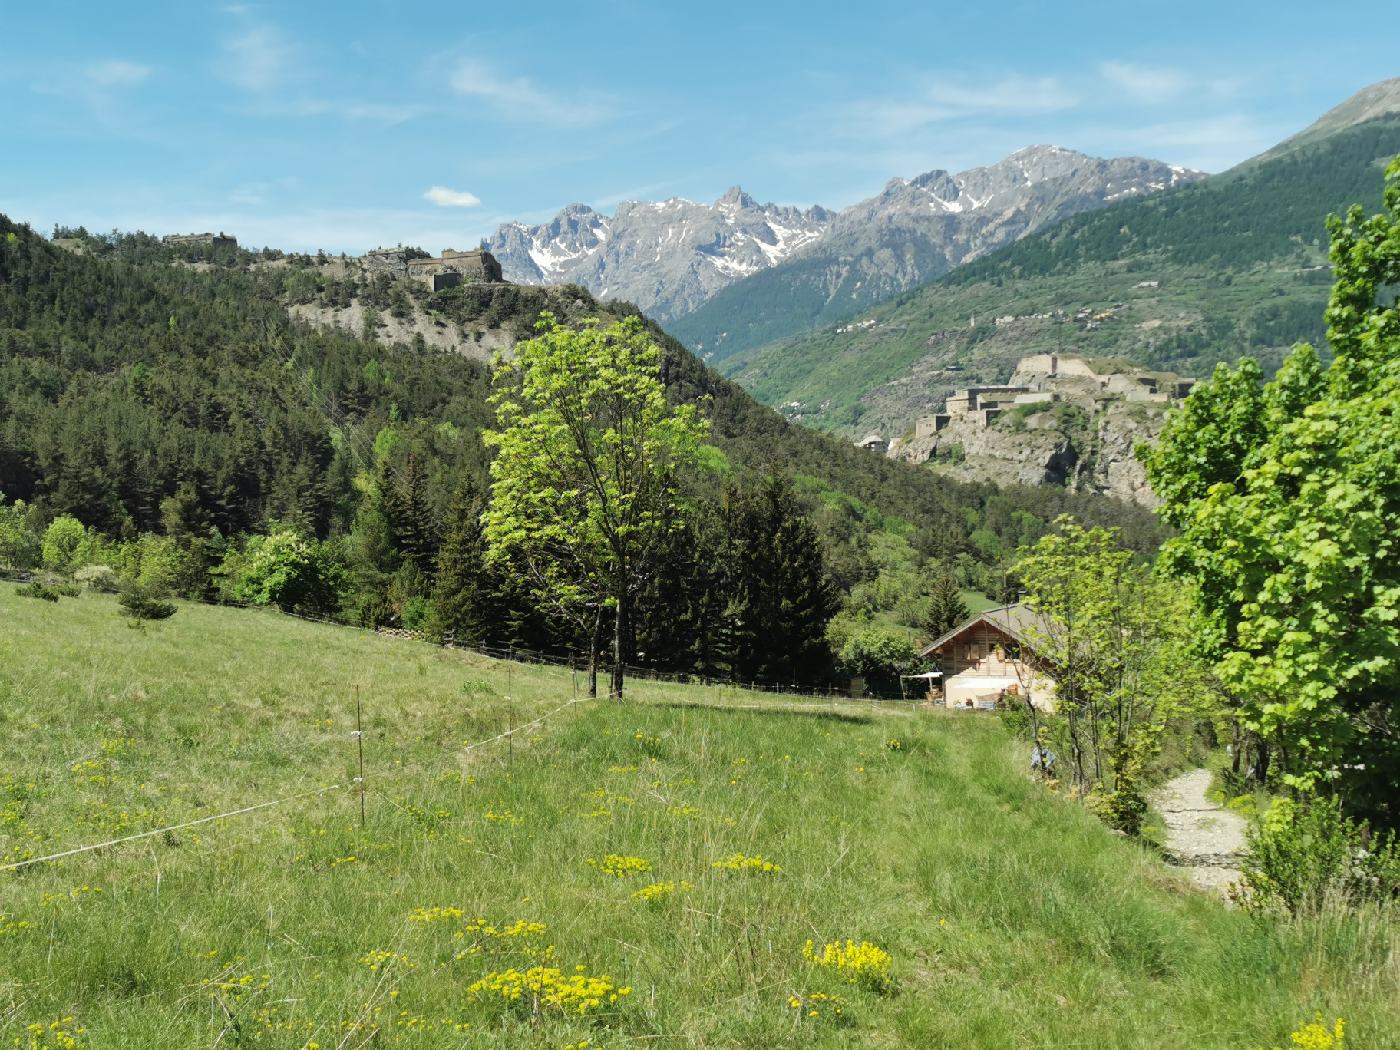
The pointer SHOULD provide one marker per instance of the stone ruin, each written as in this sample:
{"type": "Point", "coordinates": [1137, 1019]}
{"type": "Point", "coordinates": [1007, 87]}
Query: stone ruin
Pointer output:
{"type": "Point", "coordinates": [1047, 378]}
{"type": "Point", "coordinates": [448, 270]}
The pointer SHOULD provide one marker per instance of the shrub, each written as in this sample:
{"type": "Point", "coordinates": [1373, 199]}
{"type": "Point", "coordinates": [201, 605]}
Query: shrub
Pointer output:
{"type": "Point", "coordinates": [37, 590]}
{"type": "Point", "coordinates": [287, 570]}
{"type": "Point", "coordinates": [62, 539]}
{"type": "Point", "coordinates": [144, 604]}
{"type": "Point", "coordinates": [100, 579]}
{"type": "Point", "coordinates": [1306, 852]}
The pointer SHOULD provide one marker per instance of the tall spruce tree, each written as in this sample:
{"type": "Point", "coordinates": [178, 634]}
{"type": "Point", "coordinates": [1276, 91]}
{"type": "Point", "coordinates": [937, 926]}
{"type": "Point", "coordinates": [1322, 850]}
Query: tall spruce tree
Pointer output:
{"type": "Point", "coordinates": [946, 608]}
{"type": "Point", "coordinates": [466, 607]}
{"type": "Point", "coordinates": [781, 598]}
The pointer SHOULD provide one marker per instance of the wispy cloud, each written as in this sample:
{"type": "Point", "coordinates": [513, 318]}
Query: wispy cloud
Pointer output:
{"type": "Point", "coordinates": [116, 73]}
{"type": "Point", "coordinates": [1146, 83]}
{"type": "Point", "coordinates": [447, 198]}
{"type": "Point", "coordinates": [938, 100]}
{"type": "Point", "coordinates": [257, 56]}
{"type": "Point", "coordinates": [519, 98]}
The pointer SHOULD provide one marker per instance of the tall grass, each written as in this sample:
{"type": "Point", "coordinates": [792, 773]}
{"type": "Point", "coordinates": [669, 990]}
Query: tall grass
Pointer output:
{"type": "Point", "coordinates": [1012, 918]}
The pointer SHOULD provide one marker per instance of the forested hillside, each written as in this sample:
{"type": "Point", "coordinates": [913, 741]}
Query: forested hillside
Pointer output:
{"type": "Point", "coordinates": [1178, 281]}
{"type": "Point", "coordinates": [147, 396]}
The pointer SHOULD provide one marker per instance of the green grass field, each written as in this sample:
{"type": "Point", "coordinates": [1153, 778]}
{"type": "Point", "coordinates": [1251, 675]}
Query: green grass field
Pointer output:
{"type": "Point", "coordinates": [1011, 918]}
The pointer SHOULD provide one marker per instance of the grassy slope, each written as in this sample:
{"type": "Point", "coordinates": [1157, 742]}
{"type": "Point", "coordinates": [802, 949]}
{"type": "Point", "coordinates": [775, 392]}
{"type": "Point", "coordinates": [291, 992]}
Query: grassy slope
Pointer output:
{"type": "Point", "coordinates": [1012, 917]}
{"type": "Point", "coordinates": [1232, 257]}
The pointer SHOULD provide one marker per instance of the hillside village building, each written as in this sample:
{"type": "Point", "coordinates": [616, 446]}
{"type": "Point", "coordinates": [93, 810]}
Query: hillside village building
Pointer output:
{"type": "Point", "coordinates": [992, 657]}
{"type": "Point", "coordinates": [1047, 378]}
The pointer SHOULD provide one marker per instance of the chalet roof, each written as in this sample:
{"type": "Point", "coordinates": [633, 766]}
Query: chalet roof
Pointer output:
{"type": "Point", "coordinates": [1019, 621]}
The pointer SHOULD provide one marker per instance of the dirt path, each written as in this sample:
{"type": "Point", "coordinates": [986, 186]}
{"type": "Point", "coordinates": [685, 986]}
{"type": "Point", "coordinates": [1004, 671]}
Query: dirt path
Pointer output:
{"type": "Point", "coordinates": [1202, 836]}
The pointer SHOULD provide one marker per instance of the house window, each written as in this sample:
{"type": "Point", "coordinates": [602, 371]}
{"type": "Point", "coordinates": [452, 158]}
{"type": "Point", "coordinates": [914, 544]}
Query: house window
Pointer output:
{"type": "Point", "coordinates": [1012, 651]}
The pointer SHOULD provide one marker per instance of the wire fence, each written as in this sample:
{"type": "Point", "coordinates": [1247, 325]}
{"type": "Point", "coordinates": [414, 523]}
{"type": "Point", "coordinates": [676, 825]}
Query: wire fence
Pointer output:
{"type": "Point", "coordinates": [793, 695]}
{"type": "Point", "coordinates": [561, 658]}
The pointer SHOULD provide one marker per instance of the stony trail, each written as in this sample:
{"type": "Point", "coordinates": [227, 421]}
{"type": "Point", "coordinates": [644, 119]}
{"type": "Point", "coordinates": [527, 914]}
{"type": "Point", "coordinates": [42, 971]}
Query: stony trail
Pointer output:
{"type": "Point", "coordinates": [1202, 836]}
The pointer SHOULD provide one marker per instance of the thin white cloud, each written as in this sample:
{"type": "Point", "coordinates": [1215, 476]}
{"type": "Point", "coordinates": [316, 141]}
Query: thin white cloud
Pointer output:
{"type": "Point", "coordinates": [939, 100]}
{"type": "Point", "coordinates": [258, 57]}
{"type": "Point", "coordinates": [519, 98]}
{"type": "Point", "coordinates": [1146, 83]}
{"type": "Point", "coordinates": [116, 73]}
{"type": "Point", "coordinates": [447, 198]}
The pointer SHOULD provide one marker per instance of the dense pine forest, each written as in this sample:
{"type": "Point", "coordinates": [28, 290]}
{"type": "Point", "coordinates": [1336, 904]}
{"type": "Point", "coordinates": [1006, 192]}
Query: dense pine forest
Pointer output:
{"type": "Point", "coordinates": [162, 400]}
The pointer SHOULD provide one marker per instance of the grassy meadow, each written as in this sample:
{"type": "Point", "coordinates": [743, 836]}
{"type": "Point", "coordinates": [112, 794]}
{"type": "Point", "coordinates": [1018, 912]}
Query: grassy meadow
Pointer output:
{"type": "Point", "coordinates": [1010, 917]}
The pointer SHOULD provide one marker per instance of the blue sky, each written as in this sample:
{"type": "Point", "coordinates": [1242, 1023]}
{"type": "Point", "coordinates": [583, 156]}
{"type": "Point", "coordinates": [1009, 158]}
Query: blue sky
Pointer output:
{"type": "Point", "coordinates": [346, 125]}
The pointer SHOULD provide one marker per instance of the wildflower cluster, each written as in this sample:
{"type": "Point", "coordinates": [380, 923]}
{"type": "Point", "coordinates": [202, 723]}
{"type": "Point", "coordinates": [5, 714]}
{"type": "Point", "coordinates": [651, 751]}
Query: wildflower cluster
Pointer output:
{"type": "Point", "coordinates": [894, 744]}
{"type": "Point", "coordinates": [739, 862]}
{"type": "Point", "coordinates": [501, 816]}
{"type": "Point", "coordinates": [862, 963]}
{"type": "Point", "coordinates": [547, 987]}
{"type": "Point", "coordinates": [660, 891]}
{"type": "Point", "coordinates": [10, 925]}
{"type": "Point", "coordinates": [379, 959]}
{"type": "Point", "coordinates": [619, 866]}
{"type": "Point", "coordinates": [238, 987]}
{"type": "Point", "coordinates": [63, 1034]}
{"type": "Point", "coordinates": [1317, 1036]}
{"type": "Point", "coordinates": [521, 934]}
{"type": "Point", "coordinates": [817, 1004]}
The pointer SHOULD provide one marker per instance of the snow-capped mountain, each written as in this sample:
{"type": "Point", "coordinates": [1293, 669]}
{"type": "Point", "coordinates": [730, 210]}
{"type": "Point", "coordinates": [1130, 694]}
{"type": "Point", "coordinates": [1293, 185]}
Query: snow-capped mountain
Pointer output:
{"type": "Point", "coordinates": [667, 257]}
{"type": "Point", "coordinates": [912, 232]}
{"type": "Point", "coordinates": [672, 257]}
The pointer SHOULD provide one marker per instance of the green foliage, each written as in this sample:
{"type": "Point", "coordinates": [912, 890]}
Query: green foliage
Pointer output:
{"type": "Point", "coordinates": [35, 589]}
{"type": "Point", "coordinates": [286, 570]}
{"type": "Point", "coordinates": [780, 599]}
{"type": "Point", "coordinates": [142, 602]}
{"type": "Point", "coordinates": [589, 457]}
{"type": "Point", "coordinates": [877, 652]}
{"type": "Point", "coordinates": [21, 546]}
{"type": "Point", "coordinates": [946, 608]}
{"type": "Point", "coordinates": [62, 540]}
{"type": "Point", "coordinates": [1115, 638]}
{"type": "Point", "coordinates": [1289, 530]}
{"type": "Point", "coordinates": [1306, 853]}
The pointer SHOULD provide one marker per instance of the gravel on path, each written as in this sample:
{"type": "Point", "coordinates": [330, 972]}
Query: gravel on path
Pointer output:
{"type": "Point", "coordinates": [1203, 837]}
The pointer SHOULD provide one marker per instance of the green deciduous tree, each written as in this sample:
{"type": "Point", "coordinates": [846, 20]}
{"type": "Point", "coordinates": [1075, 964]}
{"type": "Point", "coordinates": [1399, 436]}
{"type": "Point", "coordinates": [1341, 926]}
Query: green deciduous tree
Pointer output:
{"type": "Point", "coordinates": [1292, 537]}
{"type": "Point", "coordinates": [585, 483]}
{"type": "Point", "coordinates": [20, 544]}
{"type": "Point", "coordinates": [286, 570]}
{"type": "Point", "coordinates": [62, 541]}
{"type": "Point", "coordinates": [1116, 640]}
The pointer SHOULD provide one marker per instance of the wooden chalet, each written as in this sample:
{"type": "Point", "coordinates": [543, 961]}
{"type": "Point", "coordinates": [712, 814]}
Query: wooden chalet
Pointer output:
{"type": "Point", "coordinates": [992, 656]}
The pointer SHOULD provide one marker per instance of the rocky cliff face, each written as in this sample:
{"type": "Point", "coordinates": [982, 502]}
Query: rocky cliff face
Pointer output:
{"type": "Point", "coordinates": [1085, 452]}
{"type": "Point", "coordinates": [667, 257]}
{"type": "Point", "coordinates": [670, 257]}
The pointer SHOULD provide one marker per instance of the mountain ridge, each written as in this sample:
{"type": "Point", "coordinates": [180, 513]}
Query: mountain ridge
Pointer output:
{"type": "Point", "coordinates": [671, 257]}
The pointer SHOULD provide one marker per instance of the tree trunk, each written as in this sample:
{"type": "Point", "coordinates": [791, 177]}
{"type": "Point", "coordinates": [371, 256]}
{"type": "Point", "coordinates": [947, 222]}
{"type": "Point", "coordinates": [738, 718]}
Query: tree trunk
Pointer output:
{"type": "Point", "coordinates": [1259, 771]}
{"type": "Point", "coordinates": [619, 629]}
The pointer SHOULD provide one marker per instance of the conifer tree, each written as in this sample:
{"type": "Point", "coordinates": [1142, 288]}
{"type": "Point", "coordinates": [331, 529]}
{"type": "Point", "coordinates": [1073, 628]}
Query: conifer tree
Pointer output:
{"type": "Point", "coordinates": [946, 608]}
{"type": "Point", "coordinates": [781, 598]}
{"type": "Point", "coordinates": [465, 606]}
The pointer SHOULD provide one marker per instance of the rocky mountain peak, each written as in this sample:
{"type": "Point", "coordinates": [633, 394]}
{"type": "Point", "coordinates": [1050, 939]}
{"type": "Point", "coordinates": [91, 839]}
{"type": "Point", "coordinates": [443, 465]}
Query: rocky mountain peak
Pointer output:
{"type": "Point", "coordinates": [735, 197]}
